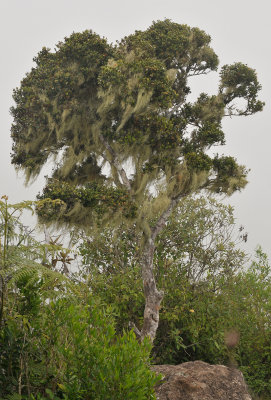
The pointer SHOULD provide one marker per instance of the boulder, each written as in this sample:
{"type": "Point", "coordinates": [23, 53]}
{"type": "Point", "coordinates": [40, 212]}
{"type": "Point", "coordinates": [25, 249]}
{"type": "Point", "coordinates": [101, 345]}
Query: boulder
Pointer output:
{"type": "Point", "coordinates": [200, 381]}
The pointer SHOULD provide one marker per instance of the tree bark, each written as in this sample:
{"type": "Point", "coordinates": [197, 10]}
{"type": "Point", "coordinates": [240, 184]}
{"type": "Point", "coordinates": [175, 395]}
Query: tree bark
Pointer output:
{"type": "Point", "coordinates": [153, 296]}
{"type": "Point", "coordinates": [2, 288]}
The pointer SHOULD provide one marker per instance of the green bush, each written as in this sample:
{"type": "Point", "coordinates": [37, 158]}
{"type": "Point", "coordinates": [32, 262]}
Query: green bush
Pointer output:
{"type": "Point", "coordinates": [71, 351]}
{"type": "Point", "coordinates": [93, 362]}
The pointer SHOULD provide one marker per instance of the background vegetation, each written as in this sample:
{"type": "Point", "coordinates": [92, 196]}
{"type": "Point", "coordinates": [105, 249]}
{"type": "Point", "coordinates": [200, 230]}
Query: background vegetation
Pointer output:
{"type": "Point", "coordinates": [66, 335]}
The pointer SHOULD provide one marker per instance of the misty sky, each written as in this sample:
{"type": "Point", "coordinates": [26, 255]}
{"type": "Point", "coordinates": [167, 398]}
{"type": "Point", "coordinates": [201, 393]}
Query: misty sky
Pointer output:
{"type": "Point", "coordinates": [240, 31]}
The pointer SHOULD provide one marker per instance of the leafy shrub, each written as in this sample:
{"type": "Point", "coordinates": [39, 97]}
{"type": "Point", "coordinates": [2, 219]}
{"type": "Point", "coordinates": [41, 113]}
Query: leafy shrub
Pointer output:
{"type": "Point", "coordinates": [71, 351]}
{"type": "Point", "coordinates": [93, 362]}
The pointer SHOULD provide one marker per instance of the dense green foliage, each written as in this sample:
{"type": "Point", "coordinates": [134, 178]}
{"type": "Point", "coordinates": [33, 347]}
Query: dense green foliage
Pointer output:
{"type": "Point", "coordinates": [71, 350]}
{"type": "Point", "coordinates": [97, 199]}
{"type": "Point", "coordinates": [93, 105]}
{"type": "Point", "coordinates": [98, 364]}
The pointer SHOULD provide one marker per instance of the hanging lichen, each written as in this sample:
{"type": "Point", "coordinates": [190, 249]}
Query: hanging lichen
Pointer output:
{"type": "Point", "coordinates": [103, 107]}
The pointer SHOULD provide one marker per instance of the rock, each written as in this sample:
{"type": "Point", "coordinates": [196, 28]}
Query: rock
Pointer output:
{"type": "Point", "coordinates": [200, 381]}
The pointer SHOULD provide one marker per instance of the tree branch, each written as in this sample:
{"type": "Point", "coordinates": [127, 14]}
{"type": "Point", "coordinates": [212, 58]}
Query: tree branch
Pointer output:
{"type": "Point", "coordinates": [116, 164]}
{"type": "Point", "coordinates": [164, 217]}
{"type": "Point", "coordinates": [135, 329]}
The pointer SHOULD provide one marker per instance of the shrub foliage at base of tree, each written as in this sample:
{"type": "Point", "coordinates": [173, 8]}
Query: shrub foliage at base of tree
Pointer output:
{"type": "Point", "coordinates": [71, 351]}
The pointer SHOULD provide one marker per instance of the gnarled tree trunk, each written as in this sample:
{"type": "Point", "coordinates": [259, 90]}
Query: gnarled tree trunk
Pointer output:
{"type": "Point", "coordinates": [153, 296]}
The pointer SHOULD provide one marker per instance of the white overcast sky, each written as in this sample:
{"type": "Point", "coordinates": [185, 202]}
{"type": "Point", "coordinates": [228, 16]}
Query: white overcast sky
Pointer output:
{"type": "Point", "coordinates": [240, 31]}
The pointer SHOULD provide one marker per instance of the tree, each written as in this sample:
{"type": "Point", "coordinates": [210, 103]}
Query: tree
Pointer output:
{"type": "Point", "coordinates": [127, 141]}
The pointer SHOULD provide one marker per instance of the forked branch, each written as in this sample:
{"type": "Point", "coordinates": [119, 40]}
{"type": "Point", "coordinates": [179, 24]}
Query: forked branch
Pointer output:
{"type": "Point", "coordinates": [117, 165]}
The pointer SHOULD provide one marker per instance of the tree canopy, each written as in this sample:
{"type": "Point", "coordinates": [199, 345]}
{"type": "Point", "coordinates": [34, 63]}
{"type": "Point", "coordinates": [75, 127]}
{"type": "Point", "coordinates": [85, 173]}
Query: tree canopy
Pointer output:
{"type": "Point", "coordinates": [124, 107]}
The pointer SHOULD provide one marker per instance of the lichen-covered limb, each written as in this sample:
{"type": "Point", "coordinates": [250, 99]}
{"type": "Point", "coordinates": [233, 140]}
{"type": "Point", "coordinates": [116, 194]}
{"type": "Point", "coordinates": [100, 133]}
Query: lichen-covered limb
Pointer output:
{"type": "Point", "coordinates": [116, 164]}
{"type": "Point", "coordinates": [153, 296]}
{"type": "Point", "coordinates": [165, 215]}
{"type": "Point", "coordinates": [136, 330]}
